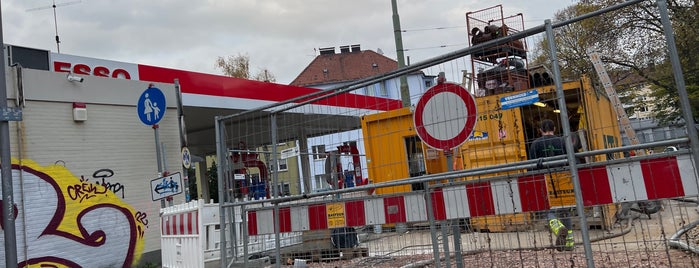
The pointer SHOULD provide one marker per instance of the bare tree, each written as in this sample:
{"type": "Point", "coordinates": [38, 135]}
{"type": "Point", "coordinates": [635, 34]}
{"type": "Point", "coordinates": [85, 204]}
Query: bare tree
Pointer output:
{"type": "Point", "coordinates": [265, 76]}
{"type": "Point", "coordinates": [239, 67]}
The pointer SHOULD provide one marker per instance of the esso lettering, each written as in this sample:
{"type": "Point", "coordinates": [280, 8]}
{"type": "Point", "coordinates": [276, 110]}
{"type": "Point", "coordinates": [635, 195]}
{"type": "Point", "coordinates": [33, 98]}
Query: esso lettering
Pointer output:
{"type": "Point", "coordinates": [85, 69]}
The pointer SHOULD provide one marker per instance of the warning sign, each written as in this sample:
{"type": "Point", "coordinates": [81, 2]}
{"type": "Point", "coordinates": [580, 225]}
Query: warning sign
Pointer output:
{"type": "Point", "coordinates": [336, 215]}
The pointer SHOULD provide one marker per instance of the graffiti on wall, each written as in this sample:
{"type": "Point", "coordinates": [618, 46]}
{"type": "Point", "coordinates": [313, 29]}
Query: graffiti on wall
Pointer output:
{"type": "Point", "coordinates": [61, 221]}
{"type": "Point", "coordinates": [86, 189]}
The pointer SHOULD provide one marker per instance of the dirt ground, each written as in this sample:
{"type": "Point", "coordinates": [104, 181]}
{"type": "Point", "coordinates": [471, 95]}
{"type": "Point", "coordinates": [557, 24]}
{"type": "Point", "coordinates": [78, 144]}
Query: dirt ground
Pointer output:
{"type": "Point", "coordinates": [543, 258]}
{"type": "Point", "coordinates": [639, 242]}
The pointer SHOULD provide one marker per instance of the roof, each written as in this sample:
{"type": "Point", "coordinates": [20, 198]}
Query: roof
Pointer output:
{"type": "Point", "coordinates": [345, 66]}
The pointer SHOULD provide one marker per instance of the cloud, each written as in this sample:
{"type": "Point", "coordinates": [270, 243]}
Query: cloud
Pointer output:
{"type": "Point", "coordinates": [279, 35]}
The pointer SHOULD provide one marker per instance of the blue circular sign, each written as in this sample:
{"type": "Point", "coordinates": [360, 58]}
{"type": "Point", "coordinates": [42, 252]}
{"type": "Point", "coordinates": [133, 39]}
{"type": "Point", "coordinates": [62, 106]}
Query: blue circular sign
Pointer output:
{"type": "Point", "coordinates": [151, 106]}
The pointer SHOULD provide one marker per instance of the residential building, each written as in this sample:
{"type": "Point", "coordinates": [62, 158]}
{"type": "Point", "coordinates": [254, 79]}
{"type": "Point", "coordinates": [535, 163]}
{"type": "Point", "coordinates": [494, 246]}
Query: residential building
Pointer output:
{"type": "Point", "coordinates": [638, 102]}
{"type": "Point", "coordinates": [330, 70]}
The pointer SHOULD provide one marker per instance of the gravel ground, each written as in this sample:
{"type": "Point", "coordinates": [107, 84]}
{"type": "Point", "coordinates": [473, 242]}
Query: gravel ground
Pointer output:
{"type": "Point", "coordinates": [543, 258]}
{"type": "Point", "coordinates": [643, 244]}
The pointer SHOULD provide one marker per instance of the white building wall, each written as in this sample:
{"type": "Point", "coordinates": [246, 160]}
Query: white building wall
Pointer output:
{"type": "Point", "coordinates": [65, 209]}
{"type": "Point", "coordinates": [416, 87]}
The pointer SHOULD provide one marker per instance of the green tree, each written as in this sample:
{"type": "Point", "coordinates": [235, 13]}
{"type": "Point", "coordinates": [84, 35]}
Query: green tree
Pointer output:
{"type": "Point", "coordinates": [212, 177]}
{"type": "Point", "coordinates": [632, 42]}
{"type": "Point", "coordinates": [192, 183]}
{"type": "Point", "coordinates": [239, 67]}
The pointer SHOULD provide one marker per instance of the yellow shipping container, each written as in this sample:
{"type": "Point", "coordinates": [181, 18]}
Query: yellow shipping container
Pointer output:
{"type": "Point", "coordinates": [500, 136]}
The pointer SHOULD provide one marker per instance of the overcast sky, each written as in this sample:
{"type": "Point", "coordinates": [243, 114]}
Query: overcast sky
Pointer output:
{"type": "Point", "coordinates": [280, 35]}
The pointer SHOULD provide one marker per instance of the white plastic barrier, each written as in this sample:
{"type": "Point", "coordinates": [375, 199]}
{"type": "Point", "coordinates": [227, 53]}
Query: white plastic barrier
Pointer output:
{"type": "Point", "coordinates": [190, 236]}
{"type": "Point", "coordinates": [182, 235]}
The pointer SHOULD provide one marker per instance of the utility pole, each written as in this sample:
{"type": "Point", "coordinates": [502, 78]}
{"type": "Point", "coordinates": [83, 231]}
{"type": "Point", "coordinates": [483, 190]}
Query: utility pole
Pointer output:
{"type": "Point", "coordinates": [404, 91]}
{"type": "Point", "coordinates": [8, 201]}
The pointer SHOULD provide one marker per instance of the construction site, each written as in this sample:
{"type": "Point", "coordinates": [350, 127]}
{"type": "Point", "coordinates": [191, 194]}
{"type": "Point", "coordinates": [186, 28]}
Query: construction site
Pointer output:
{"type": "Point", "coordinates": [450, 181]}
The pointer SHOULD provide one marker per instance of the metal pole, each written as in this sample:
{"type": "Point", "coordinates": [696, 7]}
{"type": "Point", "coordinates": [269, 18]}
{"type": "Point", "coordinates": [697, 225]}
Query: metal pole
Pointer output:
{"type": "Point", "coordinates": [433, 227]}
{"type": "Point", "coordinates": [221, 157]}
{"type": "Point", "coordinates": [163, 152]}
{"type": "Point", "coordinates": [275, 193]}
{"type": "Point", "coordinates": [404, 91]}
{"type": "Point", "coordinates": [455, 223]}
{"type": "Point", "coordinates": [157, 156]}
{"type": "Point", "coordinates": [8, 201]}
{"type": "Point", "coordinates": [679, 81]}
{"type": "Point", "coordinates": [445, 243]}
{"type": "Point", "coordinates": [445, 229]}
{"type": "Point", "coordinates": [569, 144]}
{"type": "Point", "coordinates": [183, 137]}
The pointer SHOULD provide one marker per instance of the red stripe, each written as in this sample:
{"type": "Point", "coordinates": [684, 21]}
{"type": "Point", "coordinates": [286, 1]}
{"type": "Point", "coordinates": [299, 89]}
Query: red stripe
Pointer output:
{"type": "Point", "coordinates": [252, 223]}
{"type": "Point", "coordinates": [189, 223]}
{"type": "Point", "coordinates": [317, 217]}
{"type": "Point", "coordinates": [354, 213]}
{"type": "Point", "coordinates": [285, 219]}
{"type": "Point", "coordinates": [169, 224]}
{"type": "Point", "coordinates": [224, 86]}
{"type": "Point", "coordinates": [594, 185]}
{"type": "Point", "coordinates": [394, 208]}
{"type": "Point", "coordinates": [532, 193]}
{"type": "Point", "coordinates": [438, 207]}
{"type": "Point", "coordinates": [181, 223]}
{"type": "Point", "coordinates": [662, 178]}
{"type": "Point", "coordinates": [480, 199]}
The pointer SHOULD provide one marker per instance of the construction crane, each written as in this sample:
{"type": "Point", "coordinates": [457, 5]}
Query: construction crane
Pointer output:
{"type": "Point", "coordinates": [614, 97]}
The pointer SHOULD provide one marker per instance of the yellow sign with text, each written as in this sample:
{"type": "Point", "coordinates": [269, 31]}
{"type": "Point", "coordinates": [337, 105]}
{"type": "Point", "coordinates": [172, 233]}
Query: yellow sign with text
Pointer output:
{"type": "Point", "coordinates": [336, 214]}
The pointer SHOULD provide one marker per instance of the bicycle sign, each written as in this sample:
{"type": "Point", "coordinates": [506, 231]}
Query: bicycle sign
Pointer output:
{"type": "Point", "coordinates": [166, 186]}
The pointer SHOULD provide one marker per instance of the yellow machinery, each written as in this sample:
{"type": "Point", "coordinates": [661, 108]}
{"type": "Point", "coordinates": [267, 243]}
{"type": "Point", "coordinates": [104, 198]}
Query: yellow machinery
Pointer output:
{"type": "Point", "coordinates": [500, 136]}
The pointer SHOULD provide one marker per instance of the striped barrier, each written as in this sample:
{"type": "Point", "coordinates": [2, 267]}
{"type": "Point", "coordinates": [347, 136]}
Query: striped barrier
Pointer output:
{"type": "Point", "coordinates": [650, 179]}
{"type": "Point", "coordinates": [186, 223]}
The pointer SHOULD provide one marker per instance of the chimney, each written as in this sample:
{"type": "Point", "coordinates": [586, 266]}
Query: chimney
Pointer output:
{"type": "Point", "coordinates": [344, 49]}
{"type": "Point", "coordinates": [355, 48]}
{"type": "Point", "coordinates": [327, 50]}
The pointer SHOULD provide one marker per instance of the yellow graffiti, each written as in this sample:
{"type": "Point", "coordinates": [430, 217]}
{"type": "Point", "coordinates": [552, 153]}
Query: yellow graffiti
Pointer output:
{"type": "Point", "coordinates": [69, 221]}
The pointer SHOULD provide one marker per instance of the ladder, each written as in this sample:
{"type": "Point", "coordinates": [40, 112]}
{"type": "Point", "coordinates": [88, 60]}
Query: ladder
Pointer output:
{"type": "Point", "coordinates": [609, 88]}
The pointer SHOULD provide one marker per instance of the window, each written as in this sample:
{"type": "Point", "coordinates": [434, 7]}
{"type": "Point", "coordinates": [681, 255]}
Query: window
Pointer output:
{"type": "Point", "coordinates": [319, 152]}
{"type": "Point", "coordinates": [283, 189]}
{"type": "Point", "coordinates": [381, 88]}
{"type": "Point", "coordinates": [286, 188]}
{"type": "Point", "coordinates": [370, 91]}
{"type": "Point", "coordinates": [282, 165]}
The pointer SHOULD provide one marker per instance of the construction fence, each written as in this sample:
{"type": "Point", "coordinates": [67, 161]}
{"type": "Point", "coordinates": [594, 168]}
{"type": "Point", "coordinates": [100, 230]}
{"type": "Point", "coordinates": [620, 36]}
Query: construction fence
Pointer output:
{"type": "Point", "coordinates": [341, 178]}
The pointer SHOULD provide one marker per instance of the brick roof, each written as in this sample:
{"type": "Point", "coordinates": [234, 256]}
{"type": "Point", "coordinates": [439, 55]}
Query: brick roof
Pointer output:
{"type": "Point", "coordinates": [343, 67]}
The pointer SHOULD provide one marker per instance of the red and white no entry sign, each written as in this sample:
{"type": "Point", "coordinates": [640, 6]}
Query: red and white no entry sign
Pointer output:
{"type": "Point", "coordinates": [445, 116]}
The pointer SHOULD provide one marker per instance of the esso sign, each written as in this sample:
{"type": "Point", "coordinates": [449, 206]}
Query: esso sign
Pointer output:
{"type": "Point", "coordinates": [84, 69]}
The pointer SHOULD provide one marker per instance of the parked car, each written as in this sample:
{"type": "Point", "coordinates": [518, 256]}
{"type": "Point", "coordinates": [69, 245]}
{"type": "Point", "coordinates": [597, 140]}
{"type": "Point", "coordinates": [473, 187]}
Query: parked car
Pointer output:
{"type": "Point", "coordinates": [670, 149]}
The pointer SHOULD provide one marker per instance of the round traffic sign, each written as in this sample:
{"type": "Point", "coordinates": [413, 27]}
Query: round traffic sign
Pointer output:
{"type": "Point", "coordinates": [151, 106]}
{"type": "Point", "coordinates": [445, 116]}
{"type": "Point", "coordinates": [186, 158]}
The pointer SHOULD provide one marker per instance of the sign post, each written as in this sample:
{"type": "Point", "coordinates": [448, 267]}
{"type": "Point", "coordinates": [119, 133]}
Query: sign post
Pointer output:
{"type": "Point", "coordinates": [151, 108]}
{"type": "Point", "coordinates": [444, 118]}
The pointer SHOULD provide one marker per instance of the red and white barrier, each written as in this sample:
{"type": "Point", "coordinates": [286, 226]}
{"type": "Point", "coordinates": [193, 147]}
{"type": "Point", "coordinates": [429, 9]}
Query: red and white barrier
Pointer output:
{"type": "Point", "coordinates": [657, 178]}
{"type": "Point", "coordinates": [190, 236]}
